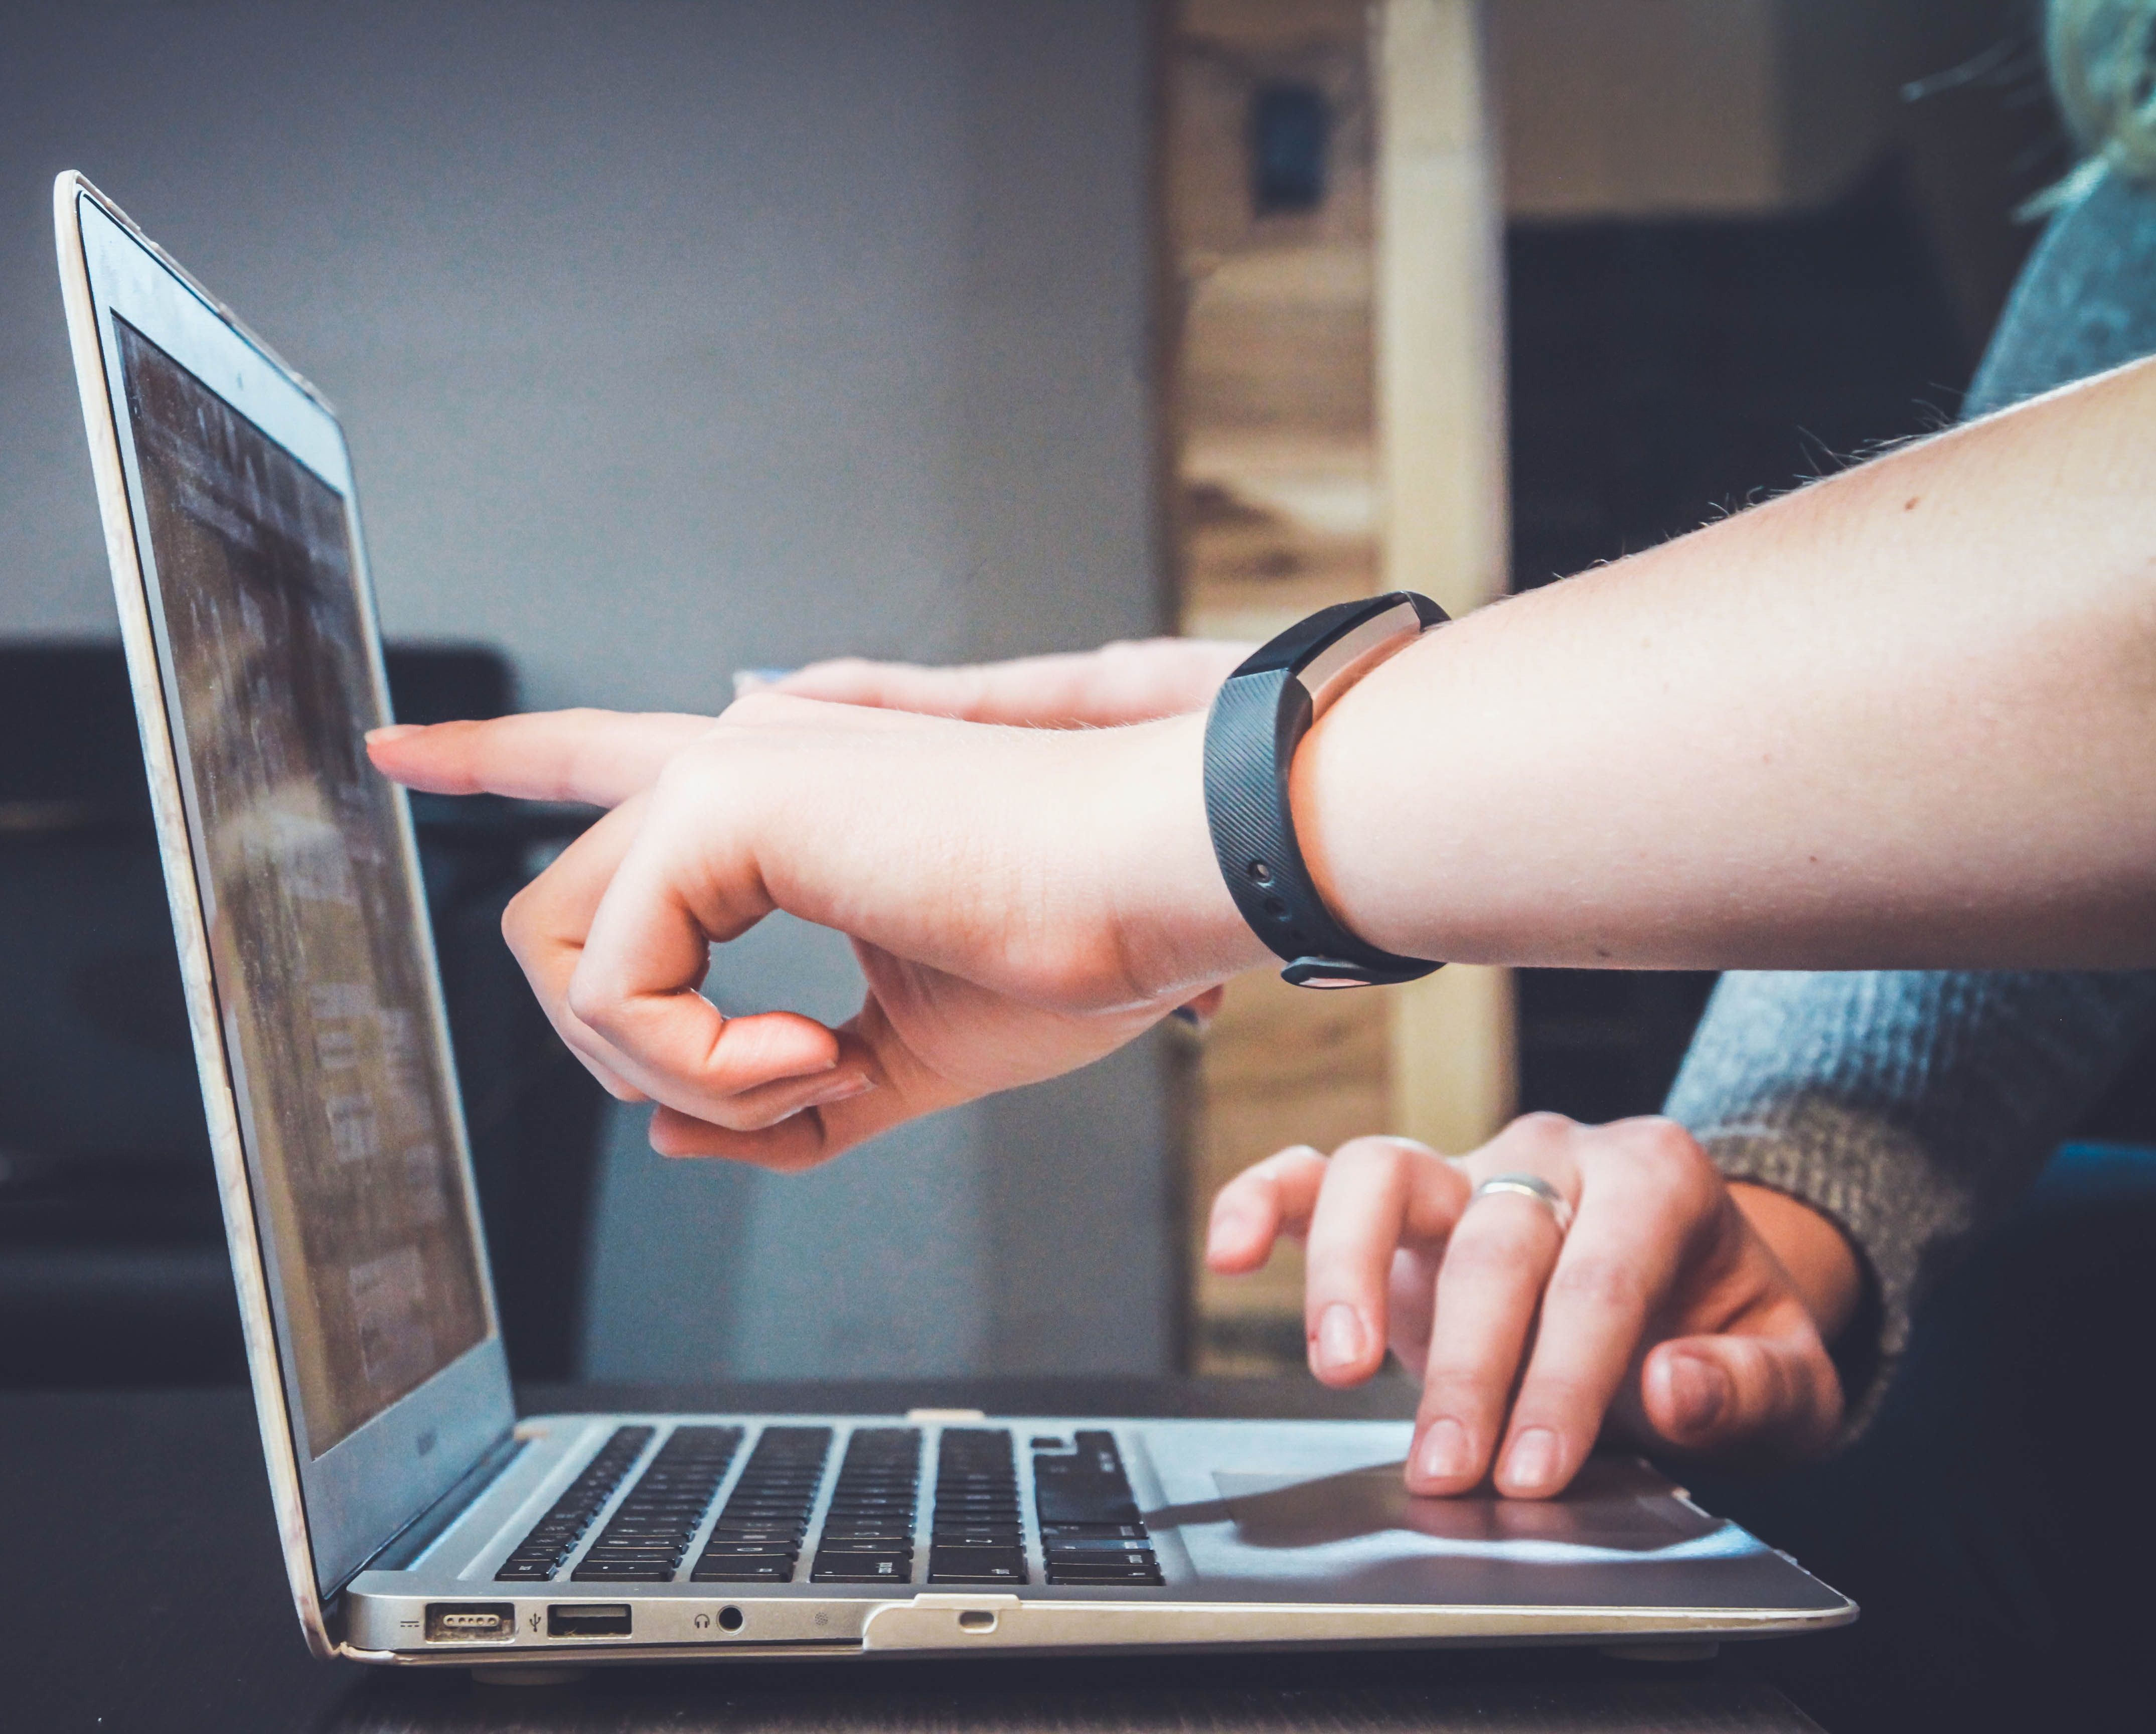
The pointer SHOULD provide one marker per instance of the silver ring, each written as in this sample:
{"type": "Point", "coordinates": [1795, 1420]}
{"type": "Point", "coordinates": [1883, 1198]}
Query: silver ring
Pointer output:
{"type": "Point", "coordinates": [1530, 1186]}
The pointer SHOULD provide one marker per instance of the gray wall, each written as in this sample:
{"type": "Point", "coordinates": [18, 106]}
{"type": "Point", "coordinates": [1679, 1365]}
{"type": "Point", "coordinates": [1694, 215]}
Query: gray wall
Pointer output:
{"type": "Point", "coordinates": [673, 338]}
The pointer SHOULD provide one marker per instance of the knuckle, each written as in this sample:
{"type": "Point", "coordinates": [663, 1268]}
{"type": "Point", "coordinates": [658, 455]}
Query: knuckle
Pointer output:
{"type": "Point", "coordinates": [1662, 1155]}
{"type": "Point", "coordinates": [1367, 1156]}
{"type": "Point", "coordinates": [519, 919]}
{"type": "Point", "coordinates": [1664, 1144]}
{"type": "Point", "coordinates": [1487, 1252]}
{"type": "Point", "coordinates": [1544, 1126]}
{"type": "Point", "coordinates": [589, 1000]}
{"type": "Point", "coordinates": [1600, 1283]}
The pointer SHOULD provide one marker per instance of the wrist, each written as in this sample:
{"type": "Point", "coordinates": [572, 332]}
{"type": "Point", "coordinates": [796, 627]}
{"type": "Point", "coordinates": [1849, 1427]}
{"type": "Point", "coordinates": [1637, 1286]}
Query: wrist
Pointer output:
{"type": "Point", "coordinates": [1821, 1263]}
{"type": "Point", "coordinates": [1179, 928]}
{"type": "Point", "coordinates": [1353, 811]}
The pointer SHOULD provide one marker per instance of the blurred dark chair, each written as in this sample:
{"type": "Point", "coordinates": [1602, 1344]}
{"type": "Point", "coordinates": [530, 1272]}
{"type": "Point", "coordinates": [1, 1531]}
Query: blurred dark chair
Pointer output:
{"type": "Point", "coordinates": [112, 1260]}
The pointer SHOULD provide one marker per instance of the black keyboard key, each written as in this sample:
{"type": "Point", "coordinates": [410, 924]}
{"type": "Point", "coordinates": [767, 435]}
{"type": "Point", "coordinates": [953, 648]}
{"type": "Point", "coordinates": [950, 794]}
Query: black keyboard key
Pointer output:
{"type": "Point", "coordinates": [1065, 1495]}
{"type": "Point", "coordinates": [1066, 1531]}
{"type": "Point", "coordinates": [1086, 1486]}
{"type": "Point", "coordinates": [775, 1568]}
{"type": "Point", "coordinates": [1104, 1574]}
{"type": "Point", "coordinates": [977, 1565]}
{"type": "Point", "coordinates": [588, 1573]}
{"type": "Point", "coordinates": [1058, 1558]}
{"type": "Point", "coordinates": [831, 1567]}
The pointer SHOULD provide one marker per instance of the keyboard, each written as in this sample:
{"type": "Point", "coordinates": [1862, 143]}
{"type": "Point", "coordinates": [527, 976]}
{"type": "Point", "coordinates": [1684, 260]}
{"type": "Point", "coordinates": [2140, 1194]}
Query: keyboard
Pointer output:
{"type": "Point", "coordinates": [1086, 1519]}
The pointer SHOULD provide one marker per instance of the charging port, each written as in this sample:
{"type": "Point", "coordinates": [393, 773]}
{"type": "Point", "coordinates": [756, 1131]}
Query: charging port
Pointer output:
{"type": "Point", "coordinates": [587, 1620]}
{"type": "Point", "coordinates": [470, 1622]}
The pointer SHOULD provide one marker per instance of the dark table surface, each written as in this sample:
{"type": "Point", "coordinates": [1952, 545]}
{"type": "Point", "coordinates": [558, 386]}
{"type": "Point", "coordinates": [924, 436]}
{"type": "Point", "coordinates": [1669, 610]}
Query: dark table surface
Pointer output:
{"type": "Point", "coordinates": [142, 1589]}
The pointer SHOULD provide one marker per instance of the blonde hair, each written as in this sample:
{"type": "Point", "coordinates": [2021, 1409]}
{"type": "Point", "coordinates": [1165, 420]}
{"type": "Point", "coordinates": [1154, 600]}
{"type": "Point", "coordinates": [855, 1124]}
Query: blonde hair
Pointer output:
{"type": "Point", "coordinates": [2103, 67]}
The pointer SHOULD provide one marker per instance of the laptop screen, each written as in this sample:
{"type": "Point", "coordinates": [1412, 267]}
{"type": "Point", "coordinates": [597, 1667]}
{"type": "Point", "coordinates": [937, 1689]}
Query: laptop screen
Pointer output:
{"type": "Point", "coordinates": [346, 1107]}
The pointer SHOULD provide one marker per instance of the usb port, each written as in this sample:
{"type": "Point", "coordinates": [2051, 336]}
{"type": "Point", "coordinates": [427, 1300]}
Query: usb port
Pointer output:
{"type": "Point", "coordinates": [470, 1622]}
{"type": "Point", "coordinates": [587, 1620]}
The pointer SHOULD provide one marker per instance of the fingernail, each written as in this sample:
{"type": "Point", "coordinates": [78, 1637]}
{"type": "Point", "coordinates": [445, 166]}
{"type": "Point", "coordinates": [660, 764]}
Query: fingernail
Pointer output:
{"type": "Point", "coordinates": [393, 731]}
{"type": "Point", "coordinates": [1444, 1456]}
{"type": "Point", "coordinates": [1339, 1337]}
{"type": "Point", "coordinates": [842, 1092]}
{"type": "Point", "coordinates": [1699, 1392]}
{"type": "Point", "coordinates": [1532, 1461]}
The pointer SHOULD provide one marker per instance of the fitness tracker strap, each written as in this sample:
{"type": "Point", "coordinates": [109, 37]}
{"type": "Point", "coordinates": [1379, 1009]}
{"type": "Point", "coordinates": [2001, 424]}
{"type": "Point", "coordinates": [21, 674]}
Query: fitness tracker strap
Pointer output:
{"type": "Point", "coordinates": [1258, 717]}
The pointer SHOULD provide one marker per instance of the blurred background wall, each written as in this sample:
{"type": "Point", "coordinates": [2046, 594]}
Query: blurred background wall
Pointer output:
{"type": "Point", "coordinates": [680, 336]}
{"type": "Point", "coordinates": [674, 336]}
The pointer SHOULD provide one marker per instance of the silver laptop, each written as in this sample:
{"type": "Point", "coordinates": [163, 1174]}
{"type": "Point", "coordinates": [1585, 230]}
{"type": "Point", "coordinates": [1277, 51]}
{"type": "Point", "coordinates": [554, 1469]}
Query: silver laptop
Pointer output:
{"type": "Point", "coordinates": [422, 1521]}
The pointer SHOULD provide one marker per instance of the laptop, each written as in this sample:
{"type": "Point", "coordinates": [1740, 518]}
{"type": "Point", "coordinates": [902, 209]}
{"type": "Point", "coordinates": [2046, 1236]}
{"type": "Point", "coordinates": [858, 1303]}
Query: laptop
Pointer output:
{"type": "Point", "coordinates": [422, 1521]}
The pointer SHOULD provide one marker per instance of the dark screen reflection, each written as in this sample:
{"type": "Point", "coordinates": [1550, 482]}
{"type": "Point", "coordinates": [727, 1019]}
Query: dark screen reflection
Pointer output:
{"type": "Point", "coordinates": [315, 928]}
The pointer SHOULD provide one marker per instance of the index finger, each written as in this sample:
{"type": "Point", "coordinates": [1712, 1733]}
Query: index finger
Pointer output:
{"type": "Point", "coordinates": [601, 758]}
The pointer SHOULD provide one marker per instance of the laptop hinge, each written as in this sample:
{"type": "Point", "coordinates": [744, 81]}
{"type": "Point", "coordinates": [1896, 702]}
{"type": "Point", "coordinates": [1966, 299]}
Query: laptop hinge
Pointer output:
{"type": "Point", "coordinates": [422, 1532]}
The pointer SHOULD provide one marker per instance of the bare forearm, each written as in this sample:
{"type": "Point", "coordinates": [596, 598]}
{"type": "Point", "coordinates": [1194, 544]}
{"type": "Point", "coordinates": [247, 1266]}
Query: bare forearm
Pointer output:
{"type": "Point", "coordinates": [1905, 717]}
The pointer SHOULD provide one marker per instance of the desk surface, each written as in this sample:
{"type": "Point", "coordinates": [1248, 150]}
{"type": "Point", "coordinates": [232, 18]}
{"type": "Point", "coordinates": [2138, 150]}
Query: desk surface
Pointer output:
{"type": "Point", "coordinates": [143, 1590]}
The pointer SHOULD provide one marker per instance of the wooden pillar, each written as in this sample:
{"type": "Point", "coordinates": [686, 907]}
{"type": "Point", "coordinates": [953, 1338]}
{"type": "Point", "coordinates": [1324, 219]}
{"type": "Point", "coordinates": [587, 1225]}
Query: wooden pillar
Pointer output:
{"type": "Point", "coordinates": [1334, 377]}
{"type": "Point", "coordinates": [1440, 422]}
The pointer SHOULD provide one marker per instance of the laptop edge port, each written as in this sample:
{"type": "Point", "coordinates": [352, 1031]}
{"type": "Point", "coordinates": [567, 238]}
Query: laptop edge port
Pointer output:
{"type": "Point", "coordinates": [470, 1622]}
{"type": "Point", "coordinates": [587, 1620]}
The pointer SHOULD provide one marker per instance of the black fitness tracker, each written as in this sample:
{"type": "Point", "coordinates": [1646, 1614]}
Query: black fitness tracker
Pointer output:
{"type": "Point", "coordinates": [1259, 716]}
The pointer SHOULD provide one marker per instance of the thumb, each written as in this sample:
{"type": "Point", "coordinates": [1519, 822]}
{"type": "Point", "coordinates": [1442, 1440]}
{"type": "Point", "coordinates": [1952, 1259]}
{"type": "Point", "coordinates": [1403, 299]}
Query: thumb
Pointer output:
{"type": "Point", "coordinates": [1774, 1395]}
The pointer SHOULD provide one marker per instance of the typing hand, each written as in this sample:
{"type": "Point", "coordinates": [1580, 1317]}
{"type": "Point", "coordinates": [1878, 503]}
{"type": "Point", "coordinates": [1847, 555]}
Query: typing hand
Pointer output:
{"type": "Point", "coordinates": [1117, 684]}
{"type": "Point", "coordinates": [1663, 1313]}
{"type": "Point", "coordinates": [995, 955]}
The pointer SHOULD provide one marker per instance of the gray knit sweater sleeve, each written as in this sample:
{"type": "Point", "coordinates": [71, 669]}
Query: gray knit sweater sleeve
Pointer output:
{"type": "Point", "coordinates": [1911, 1107]}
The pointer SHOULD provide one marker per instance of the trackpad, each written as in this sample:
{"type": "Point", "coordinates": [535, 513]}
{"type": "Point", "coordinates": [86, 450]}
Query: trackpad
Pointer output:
{"type": "Point", "coordinates": [1357, 1531]}
{"type": "Point", "coordinates": [1276, 1511]}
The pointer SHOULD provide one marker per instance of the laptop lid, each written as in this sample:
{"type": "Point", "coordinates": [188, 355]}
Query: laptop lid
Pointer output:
{"type": "Point", "coordinates": [233, 531]}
